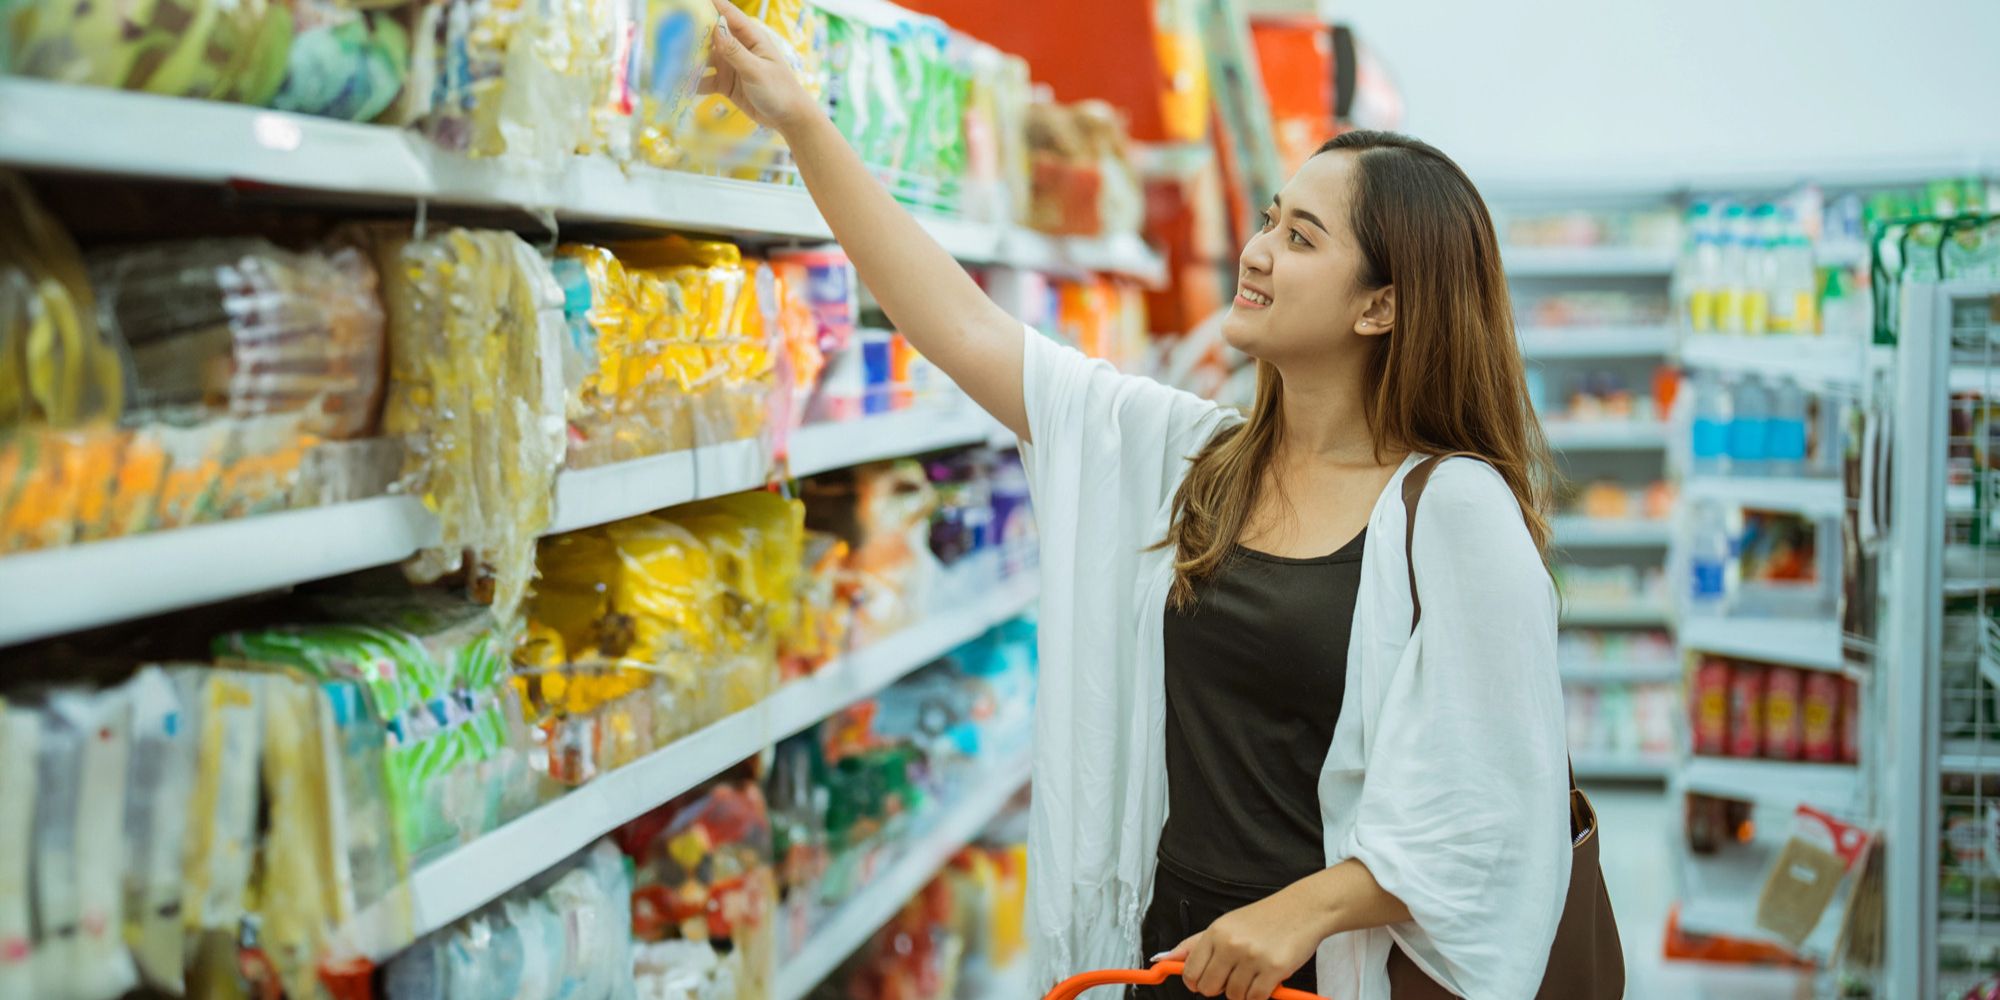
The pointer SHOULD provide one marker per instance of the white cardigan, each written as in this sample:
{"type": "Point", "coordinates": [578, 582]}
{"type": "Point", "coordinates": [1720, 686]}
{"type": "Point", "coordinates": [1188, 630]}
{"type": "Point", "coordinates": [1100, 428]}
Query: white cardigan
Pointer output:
{"type": "Point", "coordinates": [1447, 773]}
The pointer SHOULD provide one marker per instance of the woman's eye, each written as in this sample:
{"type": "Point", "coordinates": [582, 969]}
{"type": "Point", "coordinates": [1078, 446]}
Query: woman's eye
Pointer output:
{"type": "Point", "coordinates": [1298, 239]}
{"type": "Point", "coordinates": [1269, 221]}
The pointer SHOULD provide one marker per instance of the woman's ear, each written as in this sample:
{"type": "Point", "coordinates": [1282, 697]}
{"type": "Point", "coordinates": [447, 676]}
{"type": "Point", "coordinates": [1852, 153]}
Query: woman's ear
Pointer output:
{"type": "Point", "coordinates": [1379, 315]}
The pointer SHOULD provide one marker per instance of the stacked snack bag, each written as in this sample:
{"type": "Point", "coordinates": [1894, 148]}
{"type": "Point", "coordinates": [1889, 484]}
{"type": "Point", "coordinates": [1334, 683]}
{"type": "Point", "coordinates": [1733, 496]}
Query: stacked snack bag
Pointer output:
{"type": "Point", "coordinates": [703, 895]}
{"type": "Point", "coordinates": [669, 345]}
{"type": "Point", "coordinates": [475, 395]}
{"type": "Point", "coordinates": [177, 383]}
{"type": "Point", "coordinates": [194, 829]}
{"type": "Point", "coordinates": [646, 629]}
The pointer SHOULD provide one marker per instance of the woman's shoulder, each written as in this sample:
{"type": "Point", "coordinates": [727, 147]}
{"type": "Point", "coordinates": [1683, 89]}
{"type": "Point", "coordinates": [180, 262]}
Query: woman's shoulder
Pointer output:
{"type": "Point", "coordinates": [1469, 482]}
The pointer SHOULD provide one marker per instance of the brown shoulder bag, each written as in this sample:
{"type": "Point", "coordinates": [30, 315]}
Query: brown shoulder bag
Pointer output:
{"type": "Point", "coordinates": [1586, 961]}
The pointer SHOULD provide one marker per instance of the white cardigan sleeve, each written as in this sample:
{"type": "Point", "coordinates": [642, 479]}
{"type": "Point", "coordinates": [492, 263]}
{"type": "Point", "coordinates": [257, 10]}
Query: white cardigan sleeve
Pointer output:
{"type": "Point", "coordinates": [1122, 431]}
{"type": "Point", "coordinates": [1464, 808]}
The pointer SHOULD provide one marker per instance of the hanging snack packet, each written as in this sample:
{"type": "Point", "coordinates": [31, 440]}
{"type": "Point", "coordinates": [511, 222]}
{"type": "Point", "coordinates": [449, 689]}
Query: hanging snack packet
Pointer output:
{"type": "Point", "coordinates": [79, 840]}
{"type": "Point", "coordinates": [222, 812]}
{"type": "Point", "coordinates": [20, 756]}
{"type": "Point", "coordinates": [345, 61]}
{"type": "Point", "coordinates": [669, 56]}
{"type": "Point", "coordinates": [1807, 873]}
{"type": "Point", "coordinates": [161, 775]}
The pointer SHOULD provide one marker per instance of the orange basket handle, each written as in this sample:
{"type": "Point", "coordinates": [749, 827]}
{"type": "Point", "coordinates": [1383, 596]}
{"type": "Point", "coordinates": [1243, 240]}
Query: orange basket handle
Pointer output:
{"type": "Point", "coordinates": [1069, 988]}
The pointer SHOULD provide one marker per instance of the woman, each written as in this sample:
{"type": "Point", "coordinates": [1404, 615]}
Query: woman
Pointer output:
{"type": "Point", "coordinates": [1245, 757]}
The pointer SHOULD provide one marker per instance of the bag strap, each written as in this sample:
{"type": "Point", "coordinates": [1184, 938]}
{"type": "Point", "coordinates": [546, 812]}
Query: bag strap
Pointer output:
{"type": "Point", "coordinates": [1413, 491]}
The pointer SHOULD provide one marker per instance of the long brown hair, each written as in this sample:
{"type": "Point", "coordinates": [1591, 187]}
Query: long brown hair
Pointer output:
{"type": "Point", "coordinates": [1447, 378]}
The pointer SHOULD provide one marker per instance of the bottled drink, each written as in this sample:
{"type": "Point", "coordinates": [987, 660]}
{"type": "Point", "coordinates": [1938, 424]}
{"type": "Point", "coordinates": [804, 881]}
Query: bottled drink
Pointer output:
{"type": "Point", "coordinates": [1701, 267]}
{"type": "Point", "coordinates": [1794, 290]}
{"type": "Point", "coordinates": [1733, 270]}
{"type": "Point", "coordinates": [1708, 560]}
{"type": "Point", "coordinates": [1785, 441]}
{"type": "Point", "coordinates": [1760, 264]}
{"type": "Point", "coordinates": [1711, 424]}
{"type": "Point", "coordinates": [1749, 427]}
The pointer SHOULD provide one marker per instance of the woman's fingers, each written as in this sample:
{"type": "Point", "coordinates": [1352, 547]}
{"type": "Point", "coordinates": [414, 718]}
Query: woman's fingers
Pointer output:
{"type": "Point", "coordinates": [1238, 985]}
{"type": "Point", "coordinates": [1195, 963]}
{"type": "Point", "coordinates": [736, 32]}
{"type": "Point", "coordinates": [1216, 969]}
{"type": "Point", "coordinates": [1264, 985]}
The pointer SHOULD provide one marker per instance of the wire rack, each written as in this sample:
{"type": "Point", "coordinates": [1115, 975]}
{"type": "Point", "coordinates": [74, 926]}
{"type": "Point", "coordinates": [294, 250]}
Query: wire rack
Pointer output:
{"type": "Point", "coordinates": [1938, 303]}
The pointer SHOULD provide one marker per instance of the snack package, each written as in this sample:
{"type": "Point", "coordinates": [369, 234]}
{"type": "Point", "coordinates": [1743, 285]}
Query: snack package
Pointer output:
{"type": "Point", "coordinates": [475, 395]}
{"type": "Point", "coordinates": [179, 49]}
{"type": "Point", "coordinates": [667, 56]}
{"type": "Point", "coordinates": [1782, 704]}
{"type": "Point", "coordinates": [20, 754]}
{"type": "Point", "coordinates": [222, 812]}
{"type": "Point", "coordinates": [499, 78]}
{"type": "Point", "coordinates": [239, 327]}
{"type": "Point", "coordinates": [883, 512]}
{"type": "Point", "coordinates": [57, 368]}
{"type": "Point", "coordinates": [712, 135]}
{"type": "Point", "coordinates": [79, 841]}
{"type": "Point", "coordinates": [161, 776]}
{"type": "Point", "coordinates": [1808, 872]}
{"type": "Point", "coordinates": [703, 877]}
{"type": "Point", "coordinates": [1746, 710]}
{"type": "Point", "coordinates": [347, 60]}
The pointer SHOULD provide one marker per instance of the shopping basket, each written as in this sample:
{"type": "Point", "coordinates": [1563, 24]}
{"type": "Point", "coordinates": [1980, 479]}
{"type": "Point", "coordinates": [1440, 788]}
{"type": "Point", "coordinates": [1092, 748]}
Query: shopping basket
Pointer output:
{"type": "Point", "coordinates": [1069, 988]}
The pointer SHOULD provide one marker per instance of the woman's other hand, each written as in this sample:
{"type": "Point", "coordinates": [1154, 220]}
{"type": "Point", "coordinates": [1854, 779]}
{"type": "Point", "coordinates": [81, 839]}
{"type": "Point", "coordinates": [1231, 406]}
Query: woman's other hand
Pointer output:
{"type": "Point", "coordinates": [748, 65]}
{"type": "Point", "coordinates": [1249, 952]}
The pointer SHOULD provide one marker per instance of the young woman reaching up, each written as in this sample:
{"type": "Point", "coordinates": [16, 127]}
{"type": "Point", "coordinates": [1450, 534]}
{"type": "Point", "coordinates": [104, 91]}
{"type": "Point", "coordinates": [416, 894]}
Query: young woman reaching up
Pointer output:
{"type": "Point", "coordinates": [1245, 755]}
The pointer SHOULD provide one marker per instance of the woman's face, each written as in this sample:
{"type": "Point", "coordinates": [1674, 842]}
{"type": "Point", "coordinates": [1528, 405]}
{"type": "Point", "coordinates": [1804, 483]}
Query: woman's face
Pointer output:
{"type": "Point", "coordinates": [1299, 296]}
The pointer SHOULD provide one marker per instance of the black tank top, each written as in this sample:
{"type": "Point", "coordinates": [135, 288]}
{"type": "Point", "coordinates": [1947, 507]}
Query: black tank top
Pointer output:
{"type": "Point", "coordinates": [1255, 668]}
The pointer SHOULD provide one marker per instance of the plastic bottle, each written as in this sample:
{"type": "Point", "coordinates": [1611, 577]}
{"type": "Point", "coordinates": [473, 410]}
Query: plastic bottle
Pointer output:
{"type": "Point", "coordinates": [1794, 290]}
{"type": "Point", "coordinates": [1749, 427]}
{"type": "Point", "coordinates": [1761, 261]}
{"type": "Point", "coordinates": [1733, 269]}
{"type": "Point", "coordinates": [1711, 424]}
{"type": "Point", "coordinates": [1701, 267]}
{"type": "Point", "coordinates": [1708, 560]}
{"type": "Point", "coordinates": [1785, 438]}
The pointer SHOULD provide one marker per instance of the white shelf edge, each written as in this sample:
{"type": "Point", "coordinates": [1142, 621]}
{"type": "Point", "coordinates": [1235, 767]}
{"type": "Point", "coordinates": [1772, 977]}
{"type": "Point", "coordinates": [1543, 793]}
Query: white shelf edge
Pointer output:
{"type": "Point", "coordinates": [1811, 359]}
{"type": "Point", "coordinates": [1609, 435]}
{"type": "Point", "coordinates": [144, 135]}
{"type": "Point", "coordinates": [1575, 531]}
{"type": "Point", "coordinates": [1668, 672]}
{"type": "Point", "coordinates": [1558, 343]}
{"type": "Point", "coordinates": [481, 871]}
{"type": "Point", "coordinates": [1821, 496]}
{"type": "Point", "coordinates": [1634, 615]}
{"type": "Point", "coordinates": [1834, 787]}
{"type": "Point", "coordinates": [1815, 645]}
{"type": "Point", "coordinates": [48, 592]}
{"type": "Point", "coordinates": [850, 926]}
{"type": "Point", "coordinates": [1622, 767]}
{"type": "Point", "coordinates": [1588, 262]}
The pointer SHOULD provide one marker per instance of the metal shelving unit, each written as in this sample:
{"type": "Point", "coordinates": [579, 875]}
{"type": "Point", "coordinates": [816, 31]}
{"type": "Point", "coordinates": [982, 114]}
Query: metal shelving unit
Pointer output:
{"type": "Point", "coordinates": [1940, 779]}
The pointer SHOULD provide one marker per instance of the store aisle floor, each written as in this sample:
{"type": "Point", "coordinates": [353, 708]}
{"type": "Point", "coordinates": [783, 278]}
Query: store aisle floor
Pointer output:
{"type": "Point", "coordinates": [1638, 826]}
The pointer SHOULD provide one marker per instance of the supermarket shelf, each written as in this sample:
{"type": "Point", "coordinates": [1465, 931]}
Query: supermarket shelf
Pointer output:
{"type": "Point", "coordinates": [1969, 757]}
{"type": "Point", "coordinates": [1834, 787]}
{"type": "Point", "coordinates": [1577, 532]}
{"type": "Point", "coordinates": [1795, 642]}
{"type": "Point", "coordinates": [479, 872]}
{"type": "Point", "coordinates": [848, 928]}
{"type": "Point", "coordinates": [1811, 360]}
{"type": "Point", "coordinates": [1591, 342]}
{"type": "Point", "coordinates": [1822, 497]}
{"type": "Point", "coordinates": [1841, 253]}
{"type": "Point", "coordinates": [1605, 767]}
{"type": "Point", "coordinates": [1634, 615]}
{"type": "Point", "coordinates": [1719, 893]}
{"type": "Point", "coordinates": [1608, 435]}
{"type": "Point", "coordinates": [53, 591]}
{"type": "Point", "coordinates": [1588, 262]}
{"type": "Point", "coordinates": [596, 496]}
{"type": "Point", "coordinates": [1663, 672]}
{"type": "Point", "coordinates": [143, 135]}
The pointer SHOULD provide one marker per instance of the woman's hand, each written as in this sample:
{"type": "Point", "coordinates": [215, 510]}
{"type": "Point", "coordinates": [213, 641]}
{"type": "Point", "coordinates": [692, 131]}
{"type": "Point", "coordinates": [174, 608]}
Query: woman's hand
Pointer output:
{"type": "Point", "coordinates": [1249, 952]}
{"type": "Point", "coordinates": [749, 67]}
